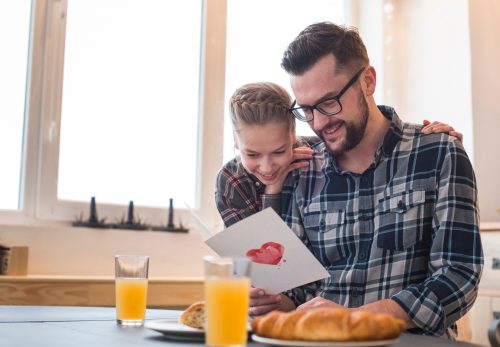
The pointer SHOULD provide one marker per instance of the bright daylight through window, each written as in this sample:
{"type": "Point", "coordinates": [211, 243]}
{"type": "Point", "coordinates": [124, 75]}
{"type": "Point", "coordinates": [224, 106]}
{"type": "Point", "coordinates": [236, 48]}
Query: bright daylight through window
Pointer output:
{"type": "Point", "coordinates": [115, 102]}
{"type": "Point", "coordinates": [129, 120]}
{"type": "Point", "coordinates": [14, 39]}
{"type": "Point", "coordinates": [258, 32]}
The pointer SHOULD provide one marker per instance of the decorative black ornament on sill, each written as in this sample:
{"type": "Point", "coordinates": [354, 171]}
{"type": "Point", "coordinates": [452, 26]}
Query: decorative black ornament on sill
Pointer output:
{"type": "Point", "coordinates": [170, 222]}
{"type": "Point", "coordinates": [131, 223]}
{"type": "Point", "coordinates": [93, 221]}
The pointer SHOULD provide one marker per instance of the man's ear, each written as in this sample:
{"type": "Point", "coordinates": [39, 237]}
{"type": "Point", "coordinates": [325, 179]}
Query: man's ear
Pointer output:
{"type": "Point", "coordinates": [369, 78]}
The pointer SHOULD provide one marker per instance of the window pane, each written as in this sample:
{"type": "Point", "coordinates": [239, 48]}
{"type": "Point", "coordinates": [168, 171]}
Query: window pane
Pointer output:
{"type": "Point", "coordinates": [258, 32]}
{"type": "Point", "coordinates": [129, 127]}
{"type": "Point", "coordinates": [14, 39]}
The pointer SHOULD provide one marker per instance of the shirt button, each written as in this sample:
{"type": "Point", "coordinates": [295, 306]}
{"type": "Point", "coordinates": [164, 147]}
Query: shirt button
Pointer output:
{"type": "Point", "coordinates": [401, 205]}
{"type": "Point", "coordinates": [362, 255]}
{"type": "Point", "coordinates": [257, 184]}
{"type": "Point", "coordinates": [322, 223]}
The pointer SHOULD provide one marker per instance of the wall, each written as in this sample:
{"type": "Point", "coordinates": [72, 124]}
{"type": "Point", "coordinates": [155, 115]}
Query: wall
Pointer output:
{"type": "Point", "coordinates": [444, 67]}
{"type": "Point", "coordinates": [485, 58]}
{"type": "Point", "coordinates": [81, 251]}
{"type": "Point", "coordinates": [433, 56]}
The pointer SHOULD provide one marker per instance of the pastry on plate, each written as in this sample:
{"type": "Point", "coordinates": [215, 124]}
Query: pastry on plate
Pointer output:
{"type": "Point", "coordinates": [328, 324]}
{"type": "Point", "coordinates": [194, 315]}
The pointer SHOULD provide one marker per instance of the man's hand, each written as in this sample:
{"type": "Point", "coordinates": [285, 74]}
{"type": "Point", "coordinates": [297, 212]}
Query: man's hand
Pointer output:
{"type": "Point", "coordinates": [438, 127]}
{"type": "Point", "coordinates": [318, 302]}
{"type": "Point", "coordinates": [262, 303]}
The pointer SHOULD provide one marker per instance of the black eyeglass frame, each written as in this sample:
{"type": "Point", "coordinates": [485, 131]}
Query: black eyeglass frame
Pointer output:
{"type": "Point", "coordinates": [317, 106]}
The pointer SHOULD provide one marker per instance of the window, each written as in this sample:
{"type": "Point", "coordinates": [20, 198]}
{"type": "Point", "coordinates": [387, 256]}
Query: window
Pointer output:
{"type": "Point", "coordinates": [125, 99]}
{"type": "Point", "coordinates": [14, 38]}
{"type": "Point", "coordinates": [129, 117]}
{"type": "Point", "coordinates": [124, 118]}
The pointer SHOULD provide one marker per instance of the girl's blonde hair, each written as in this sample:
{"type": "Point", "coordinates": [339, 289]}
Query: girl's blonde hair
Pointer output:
{"type": "Point", "coordinates": [261, 103]}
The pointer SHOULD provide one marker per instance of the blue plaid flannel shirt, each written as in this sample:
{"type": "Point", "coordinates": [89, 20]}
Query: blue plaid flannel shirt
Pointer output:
{"type": "Point", "coordinates": [406, 229]}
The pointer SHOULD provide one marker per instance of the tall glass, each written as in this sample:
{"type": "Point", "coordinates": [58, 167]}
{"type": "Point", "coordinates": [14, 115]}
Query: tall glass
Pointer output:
{"type": "Point", "coordinates": [131, 288]}
{"type": "Point", "coordinates": [227, 290]}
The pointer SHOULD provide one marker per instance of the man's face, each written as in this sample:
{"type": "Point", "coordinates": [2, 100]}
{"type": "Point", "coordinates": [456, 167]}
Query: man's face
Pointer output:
{"type": "Point", "coordinates": [343, 131]}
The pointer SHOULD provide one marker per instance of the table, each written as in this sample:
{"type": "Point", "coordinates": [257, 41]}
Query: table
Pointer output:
{"type": "Point", "coordinates": [56, 326]}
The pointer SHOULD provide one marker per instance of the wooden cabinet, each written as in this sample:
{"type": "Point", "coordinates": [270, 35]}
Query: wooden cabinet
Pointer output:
{"type": "Point", "coordinates": [94, 291]}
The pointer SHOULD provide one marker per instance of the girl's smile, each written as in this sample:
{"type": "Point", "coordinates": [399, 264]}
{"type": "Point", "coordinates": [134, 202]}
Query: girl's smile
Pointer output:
{"type": "Point", "coordinates": [266, 149]}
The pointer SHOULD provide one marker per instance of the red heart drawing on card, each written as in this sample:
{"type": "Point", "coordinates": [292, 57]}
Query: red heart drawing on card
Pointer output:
{"type": "Point", "coordinates": [269, 253]}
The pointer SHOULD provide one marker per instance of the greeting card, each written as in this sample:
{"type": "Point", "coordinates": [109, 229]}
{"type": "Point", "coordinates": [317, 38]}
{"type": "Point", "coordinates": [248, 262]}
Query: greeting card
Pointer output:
{"type": "Point", "coordinates": [280, 261]}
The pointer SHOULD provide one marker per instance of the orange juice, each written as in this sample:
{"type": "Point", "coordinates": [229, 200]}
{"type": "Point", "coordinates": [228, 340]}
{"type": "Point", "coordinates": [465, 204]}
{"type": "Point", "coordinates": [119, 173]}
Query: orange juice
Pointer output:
{"type": "Point", "coordinates": [131, 296]}
{"type": "Point", "coordinates": [227, 302]}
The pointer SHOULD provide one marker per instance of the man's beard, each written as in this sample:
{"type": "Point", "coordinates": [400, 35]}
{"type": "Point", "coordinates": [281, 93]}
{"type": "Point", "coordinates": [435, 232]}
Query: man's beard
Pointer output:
{"type": "Point", "coordinates": [354, 132]}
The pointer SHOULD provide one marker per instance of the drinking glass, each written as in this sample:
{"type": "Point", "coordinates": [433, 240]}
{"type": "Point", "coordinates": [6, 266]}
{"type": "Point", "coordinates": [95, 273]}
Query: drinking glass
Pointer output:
{"type": "Point", "coordinates": [131, 287]}
{"type": "Point", "coordinates": [227, 290]}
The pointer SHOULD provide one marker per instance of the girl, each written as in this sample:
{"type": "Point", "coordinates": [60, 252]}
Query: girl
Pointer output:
{"type": "Point", "coordinates": [264, 134]}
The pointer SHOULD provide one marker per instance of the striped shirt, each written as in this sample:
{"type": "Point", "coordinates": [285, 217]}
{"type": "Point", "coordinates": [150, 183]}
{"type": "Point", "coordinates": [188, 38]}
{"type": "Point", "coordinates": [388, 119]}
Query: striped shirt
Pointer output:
{"type": "Point", "coordinates": [406, 229]}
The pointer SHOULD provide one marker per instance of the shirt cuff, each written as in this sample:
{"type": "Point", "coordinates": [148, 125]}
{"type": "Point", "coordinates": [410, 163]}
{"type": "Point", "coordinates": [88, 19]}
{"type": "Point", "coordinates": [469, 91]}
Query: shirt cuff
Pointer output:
{"type": "Point", "coordinates": [423, 308]}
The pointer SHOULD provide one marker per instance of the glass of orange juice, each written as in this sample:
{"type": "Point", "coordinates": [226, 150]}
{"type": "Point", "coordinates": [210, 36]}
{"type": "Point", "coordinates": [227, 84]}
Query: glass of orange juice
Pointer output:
{"type": "Point", "coordinates": [227, 290]}
{"type": "Point", "coordinates": [131, 288]}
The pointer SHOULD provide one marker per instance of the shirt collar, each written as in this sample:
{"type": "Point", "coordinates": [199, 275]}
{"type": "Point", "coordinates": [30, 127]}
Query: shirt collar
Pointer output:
{"type": "Point", "coordinates": [391, 139]}
{"type": "Point", "coordinates": [393, 135]}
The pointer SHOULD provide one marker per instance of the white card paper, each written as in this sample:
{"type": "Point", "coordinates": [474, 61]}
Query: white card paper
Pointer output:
{"type": "Point", "coordinates": [280, 261]}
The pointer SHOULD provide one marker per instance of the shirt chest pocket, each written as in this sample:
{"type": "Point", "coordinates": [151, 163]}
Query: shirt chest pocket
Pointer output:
{"type": "Point", "coordinates": [326, 231]}
{"type": "Point", "coordinates": [402, 220]}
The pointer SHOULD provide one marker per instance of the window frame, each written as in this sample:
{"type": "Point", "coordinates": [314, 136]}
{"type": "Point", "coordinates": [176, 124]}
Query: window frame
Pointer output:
{"type": "Point", "coordinates": [38, 193]}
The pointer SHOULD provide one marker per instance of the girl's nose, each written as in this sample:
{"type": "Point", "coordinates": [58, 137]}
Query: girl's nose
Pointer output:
{"type": "Point", "coordinates": [266, 166]}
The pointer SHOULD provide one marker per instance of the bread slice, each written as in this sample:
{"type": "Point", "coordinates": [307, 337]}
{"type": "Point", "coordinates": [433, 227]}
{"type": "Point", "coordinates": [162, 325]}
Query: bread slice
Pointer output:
{"type": "Point", "coordinates": [194, 315]}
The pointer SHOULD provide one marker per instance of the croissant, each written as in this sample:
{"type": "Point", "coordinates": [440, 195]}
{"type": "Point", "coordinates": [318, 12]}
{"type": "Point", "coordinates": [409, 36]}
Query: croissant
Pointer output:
{"type": "Point", "coordinates": [328, 324]}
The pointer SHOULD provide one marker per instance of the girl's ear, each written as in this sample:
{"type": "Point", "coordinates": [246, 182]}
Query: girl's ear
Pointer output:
{"type": "Point", "coordinates": [235, 140]}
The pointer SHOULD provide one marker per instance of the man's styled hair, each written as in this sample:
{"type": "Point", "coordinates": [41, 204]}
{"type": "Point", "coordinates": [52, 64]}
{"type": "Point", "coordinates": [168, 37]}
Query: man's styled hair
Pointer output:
{"type": "Point", "coordinates": [261, 103]}
{"type": "Point", "coordinates": [320, 39]}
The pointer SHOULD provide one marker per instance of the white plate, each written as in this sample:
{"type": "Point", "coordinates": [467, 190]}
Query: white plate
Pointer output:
{"type": "Point", "coordinates": [278, 342]}
{"type": "Point", "coordinates": [172, 329]}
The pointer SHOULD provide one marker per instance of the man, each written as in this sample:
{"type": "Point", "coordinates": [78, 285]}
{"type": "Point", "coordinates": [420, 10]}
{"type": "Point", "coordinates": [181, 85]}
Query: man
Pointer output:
{"type": "Point", "coordinates": [391, 214]}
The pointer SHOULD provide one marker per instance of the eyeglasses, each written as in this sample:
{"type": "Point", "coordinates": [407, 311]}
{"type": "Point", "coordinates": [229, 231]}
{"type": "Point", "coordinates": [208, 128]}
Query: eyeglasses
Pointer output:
{"type": "Point", "coordinates": [328, 107]}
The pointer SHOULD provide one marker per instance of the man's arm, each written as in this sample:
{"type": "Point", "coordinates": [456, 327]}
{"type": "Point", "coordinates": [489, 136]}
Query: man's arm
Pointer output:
{"type": "Point", "coordinates": [455, 258]}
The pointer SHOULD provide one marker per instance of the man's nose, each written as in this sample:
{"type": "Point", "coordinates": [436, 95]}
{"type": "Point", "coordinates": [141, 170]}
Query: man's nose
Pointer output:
{"type": "Point", "coordinates": [319, 120]}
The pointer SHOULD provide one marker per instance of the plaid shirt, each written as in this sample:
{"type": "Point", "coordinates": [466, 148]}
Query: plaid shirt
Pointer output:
{"type": "Point", "coordinates": [239, 194]}
{"type": "Point", "coordinates": [406, 229]}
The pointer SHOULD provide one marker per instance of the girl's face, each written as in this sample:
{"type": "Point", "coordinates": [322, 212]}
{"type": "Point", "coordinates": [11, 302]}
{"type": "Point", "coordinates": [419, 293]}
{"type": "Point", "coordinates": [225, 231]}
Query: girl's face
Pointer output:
{"type": "Point", "coordinates": [266, 150]}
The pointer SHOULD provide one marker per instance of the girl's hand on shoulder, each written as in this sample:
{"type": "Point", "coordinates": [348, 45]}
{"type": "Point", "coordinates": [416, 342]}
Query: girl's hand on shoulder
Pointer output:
{"type": "Point", "coordinates": [439, 127]}
{"type": "Point", "coordinates": [302, 153]}
{"type": "Point", "coordinates": [300, 159]}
